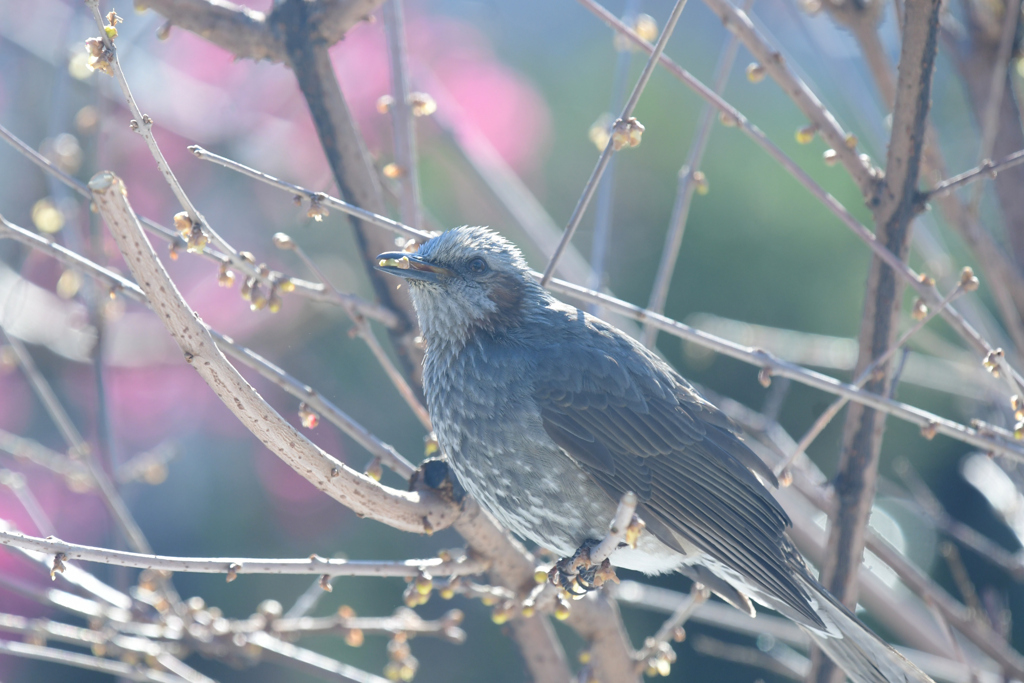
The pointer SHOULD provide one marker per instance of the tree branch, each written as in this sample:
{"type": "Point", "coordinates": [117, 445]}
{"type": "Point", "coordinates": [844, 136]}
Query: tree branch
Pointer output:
{"type": "Point", "coordinates": [347, 157]}
{"type": "Point", "coordinates": [235, 566]}
{"type": "Point", "coordinates": [895, 209]}
{"type": "Point", "coordinates": [615, 140]}
{"type": "Point", "coordinates": [415, 512]}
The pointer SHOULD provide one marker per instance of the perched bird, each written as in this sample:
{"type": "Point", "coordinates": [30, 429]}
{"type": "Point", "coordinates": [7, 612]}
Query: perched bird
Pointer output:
{"type": "Point", "coordinates": [548, 416]}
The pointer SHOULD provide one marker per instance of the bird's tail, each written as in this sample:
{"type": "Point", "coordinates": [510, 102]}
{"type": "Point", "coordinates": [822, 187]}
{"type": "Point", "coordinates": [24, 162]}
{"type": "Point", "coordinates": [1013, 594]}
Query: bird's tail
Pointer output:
{"type": "Point", "coordinates": [864, 657]}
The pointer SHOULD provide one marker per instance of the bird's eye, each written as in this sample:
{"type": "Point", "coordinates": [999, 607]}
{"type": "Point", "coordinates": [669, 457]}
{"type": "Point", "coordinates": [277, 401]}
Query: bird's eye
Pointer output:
{"type": "Point", "coordinates": [478, 265]}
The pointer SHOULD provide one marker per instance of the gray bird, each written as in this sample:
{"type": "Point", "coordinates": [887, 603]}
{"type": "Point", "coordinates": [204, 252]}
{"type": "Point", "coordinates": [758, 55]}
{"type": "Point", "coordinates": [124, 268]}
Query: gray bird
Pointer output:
{"type": "Point", "coordinates": [548, 416]}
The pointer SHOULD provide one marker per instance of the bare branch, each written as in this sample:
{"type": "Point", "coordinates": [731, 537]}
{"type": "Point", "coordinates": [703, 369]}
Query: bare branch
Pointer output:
{"type": "Point", "coordinates": [347, 157]}
{"type": "Point", "coordinates": [770, 58]}
{"type": "Point", "coordinates": [698, 596]}
{"type": "Point", "coordinates": [403, 621]}
{"type": "Point", "coordinates": [309, 290]}
{"type": "Point", "coordinates": [416, 512]}
{"type": "Point", "coordinates": [614, 141]}
{"type": "Point", "coordinates": [236, 566]}
{"type": "Point", "coordinates": [895, 210]}
{"type": "Point", "coordinates": [247, 34]}
{"type": "Point", "coordinates": [986, 169]}
{"type": "Point", "coordinates": [365, 333]}
{"type": "Point", "coordinates": [996, 90]}
{"type": "Point", "coordinates": [33, 451]}
{"type": "Point", "coordinates": [50, 654]}
{"type": "Point", "coordinates": [241, 31]}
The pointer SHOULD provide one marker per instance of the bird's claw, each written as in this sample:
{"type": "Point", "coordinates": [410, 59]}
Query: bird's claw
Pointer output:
{"type": "Point", "coordinates": [577, 575]}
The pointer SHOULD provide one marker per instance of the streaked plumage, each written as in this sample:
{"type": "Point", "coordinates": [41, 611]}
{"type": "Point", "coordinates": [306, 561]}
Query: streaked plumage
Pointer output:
{"type": "Point", "coordinates": [549, 415]}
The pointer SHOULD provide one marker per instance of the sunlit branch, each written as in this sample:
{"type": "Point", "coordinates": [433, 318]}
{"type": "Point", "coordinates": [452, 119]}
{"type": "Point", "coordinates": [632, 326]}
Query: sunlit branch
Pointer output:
{"type": "Point", "coordinates": [237, 566]}
{"type": "Point", "coordinates": [420, 512]}
{"type": "Point", "coordinates": [613, 142]}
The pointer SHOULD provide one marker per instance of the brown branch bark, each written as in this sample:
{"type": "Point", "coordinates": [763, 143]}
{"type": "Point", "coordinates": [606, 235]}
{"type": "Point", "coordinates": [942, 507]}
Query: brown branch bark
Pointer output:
{"type": "Point", "coordinates": [346, 154]}
{"type": "Point", "coordinates": [248, 34]}
{"type": "Point", "coordinates": [894, 209]}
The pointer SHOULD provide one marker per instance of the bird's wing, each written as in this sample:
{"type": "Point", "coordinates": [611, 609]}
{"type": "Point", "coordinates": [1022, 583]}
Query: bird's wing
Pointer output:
{"type": "Point", "coordinates": [634, 425]}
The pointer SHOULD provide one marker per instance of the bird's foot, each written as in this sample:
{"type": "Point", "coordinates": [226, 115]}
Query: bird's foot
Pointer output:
{"type": "Point", "coordinates": [577, 575]}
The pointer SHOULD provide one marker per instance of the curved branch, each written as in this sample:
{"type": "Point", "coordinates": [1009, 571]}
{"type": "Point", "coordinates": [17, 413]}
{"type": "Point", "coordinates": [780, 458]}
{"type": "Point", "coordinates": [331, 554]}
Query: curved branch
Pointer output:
{"type": "Point", "coordinates": [416, 512]}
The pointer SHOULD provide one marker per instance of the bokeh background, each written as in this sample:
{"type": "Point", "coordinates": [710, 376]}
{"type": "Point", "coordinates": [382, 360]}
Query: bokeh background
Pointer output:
{"type": "Point", "coordinates": [525, 80]}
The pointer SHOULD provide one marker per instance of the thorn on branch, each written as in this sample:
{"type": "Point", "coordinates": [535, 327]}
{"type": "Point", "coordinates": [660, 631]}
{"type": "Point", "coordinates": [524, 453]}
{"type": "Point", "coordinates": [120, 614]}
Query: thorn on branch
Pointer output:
{"type": "Point", "coordinates": [233, 571]}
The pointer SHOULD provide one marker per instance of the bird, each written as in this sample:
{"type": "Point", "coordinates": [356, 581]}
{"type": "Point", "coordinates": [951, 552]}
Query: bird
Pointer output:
{"type": "Point", "coordinates": [548, 416]}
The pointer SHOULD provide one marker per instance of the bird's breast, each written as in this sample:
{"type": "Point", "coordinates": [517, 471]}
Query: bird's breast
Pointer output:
{"type": "Point", "coordinates": [489, 427]}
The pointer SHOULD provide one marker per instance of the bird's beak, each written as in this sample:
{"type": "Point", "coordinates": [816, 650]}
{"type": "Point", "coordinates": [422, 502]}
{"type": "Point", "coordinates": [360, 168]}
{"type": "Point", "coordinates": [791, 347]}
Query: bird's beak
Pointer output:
{"type": "Point", "coordinates": [410, 266]}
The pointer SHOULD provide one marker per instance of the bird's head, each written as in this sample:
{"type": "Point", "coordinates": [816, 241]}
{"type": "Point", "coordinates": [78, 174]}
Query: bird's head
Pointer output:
{"type": "Point", "coordinates": [465, 280]}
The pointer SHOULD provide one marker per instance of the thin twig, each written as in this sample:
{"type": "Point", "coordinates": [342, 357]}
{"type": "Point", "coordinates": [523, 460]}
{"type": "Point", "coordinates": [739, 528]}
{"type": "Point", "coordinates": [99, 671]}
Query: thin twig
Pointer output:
{"type": "Point", "coordinates": [365, 333]}
{"type": "Point", "coordinates": [15, 481]}
{"type": "Point", "coordinates": [403, 621]}
{"type": "Point", "coordinates": [617, 532]}
{"type": "Point", "coordinates": [997, 87]}
{"type": "Point", "coordinates": [771, 59]}
{"type": "Point", "coordinates": [402, 122]}
{"type": "Point", "coordinates": [36, 453]}
{"type": "Point", "coordinates": [418, 512]}
{"type": "Point", "coordinates": [686, 188]}
{"type": "Point", "coordinates": [986, 169]}
{"type": "Point", "coordinates": [307, 660]}
{"type": "Point", "coordinates": [698, 596]}
{"type": "Point", "coordinates": [143, 125]}
{"type": "Point", "coordinates": [604, 208]}
{"type": "Point", "coordinates": [611, 145]}
{"type": "Point", "coordinates": [311, 195]}
{"type": "Point", "coordinates": [237, 566]}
